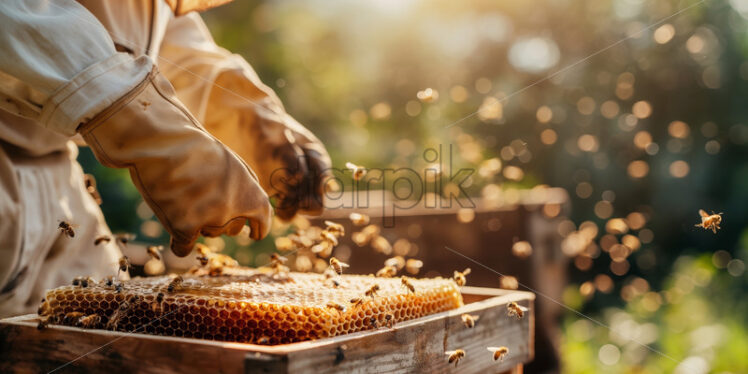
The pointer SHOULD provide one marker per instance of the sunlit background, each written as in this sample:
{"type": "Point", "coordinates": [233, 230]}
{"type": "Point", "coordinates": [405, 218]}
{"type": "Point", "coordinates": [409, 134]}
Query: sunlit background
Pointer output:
{"type": "Point", "coordinates": [642, 119]}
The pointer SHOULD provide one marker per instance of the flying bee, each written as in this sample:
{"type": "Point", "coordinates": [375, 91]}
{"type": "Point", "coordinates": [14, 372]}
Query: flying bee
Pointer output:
{"type": "Point", "coordinates": [338, 307]}
{"type": "Point", "coordinates": [356, 301]}
{"type": "Point", "coordinates": [90, 321]}
{"type": "Point", "coordinates": [72, 318]}
{"type": "Point", "coordinates": [387, 272]}
{"type": "Point", "coordinates": [459, 277]}
{"type": "Point", "coordinates": [413, 266]}
{"type": "Point", "coordinates": [498, 352]}
{"type": "Point", "coordinates": [102, 239]}
{"type": "Point", "coordinates": [469, 320]}
{"type": "Point", "coordinates": [337, 265]}
{"type": "Point", "coordinates": [124, 238]}
{"type": "Point", "coordinates": [276, 258]}
{"type": "Point", "coordinates": [397, 262]}
{"type": "Point", "coordinates": [155, 251]}
{"type": "Point", "coordinates": [514, 309]}
{"type": "Point", "coordinates": [371, 292]}
{"type": "Point", "coordinates": [359, 219]}
{"type": "Point", "coordinates": [67, 229]}
{"type": "Point", "coordinates": [329, 237]}
{"type": "Point", "coordinates": [124, 264]}
{"type": "Point", "coordinates": [335, 228]}
{"type": "Point", "coordinates": [710, 222]}
{"type": "Point", "coordinates": [358, 171]}
{"type": "Point", "coordinates": [175, 284]}
{"type": "Point", "coordinates": [407, 284]}
{"type": "Point", "coordinates": [389, 320]}
{"type": "Point", "coordinates": [455, 356]}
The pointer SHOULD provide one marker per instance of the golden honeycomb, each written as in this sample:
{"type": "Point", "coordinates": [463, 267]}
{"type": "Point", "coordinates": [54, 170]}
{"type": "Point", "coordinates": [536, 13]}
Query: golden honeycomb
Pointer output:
{"type": "Point", "coordinates": [249, 305]}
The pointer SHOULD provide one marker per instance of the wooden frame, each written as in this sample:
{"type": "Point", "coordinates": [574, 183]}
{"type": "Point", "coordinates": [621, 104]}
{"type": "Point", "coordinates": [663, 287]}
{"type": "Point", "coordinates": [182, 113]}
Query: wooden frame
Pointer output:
{"type": "Point", "coordinates": [416, 345]}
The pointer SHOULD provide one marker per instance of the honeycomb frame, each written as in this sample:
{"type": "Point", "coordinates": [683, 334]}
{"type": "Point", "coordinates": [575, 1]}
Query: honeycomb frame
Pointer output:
{"type": "Point", "coordinates": [251, 306]}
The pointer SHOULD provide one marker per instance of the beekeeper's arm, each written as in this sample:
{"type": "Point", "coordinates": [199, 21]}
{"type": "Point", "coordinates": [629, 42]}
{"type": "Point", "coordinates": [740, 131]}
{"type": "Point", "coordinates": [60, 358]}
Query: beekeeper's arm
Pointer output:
{"type": "Point", "coordinates": [226, 94]}
{"type": "Point", "coordinates": [59, 66]}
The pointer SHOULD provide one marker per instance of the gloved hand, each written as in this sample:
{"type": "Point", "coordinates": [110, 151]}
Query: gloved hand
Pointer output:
{"type": "Point", "coordinates": [194, 184]}
{"type": "Point", "coordinates": [291, 163]}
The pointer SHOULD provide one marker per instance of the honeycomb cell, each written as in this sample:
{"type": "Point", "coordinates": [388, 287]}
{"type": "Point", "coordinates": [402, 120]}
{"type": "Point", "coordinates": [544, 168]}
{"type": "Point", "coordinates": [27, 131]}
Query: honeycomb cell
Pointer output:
{"type": "Point", "coordinates": [247, 305]}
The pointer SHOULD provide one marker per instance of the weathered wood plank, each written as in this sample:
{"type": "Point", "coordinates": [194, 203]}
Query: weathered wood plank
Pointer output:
{"type": "Point", "coordinates": [416, 345]}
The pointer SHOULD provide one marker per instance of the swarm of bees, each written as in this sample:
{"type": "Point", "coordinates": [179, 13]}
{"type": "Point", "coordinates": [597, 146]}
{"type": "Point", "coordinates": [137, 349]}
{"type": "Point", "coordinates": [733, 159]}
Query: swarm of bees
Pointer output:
{"type": "Point", "coordinates": [513, 309]}
{"type": "Point", "coordinates": [66, 229]}
{"type": "Point", "coordinates": [459, 277]}
{"type": "Point", "coordinates": [710, 222]}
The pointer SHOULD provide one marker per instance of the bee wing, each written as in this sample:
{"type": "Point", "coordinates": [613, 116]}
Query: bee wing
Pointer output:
{"type": "Point", "coordinates": [475, 318]}
{"type": "Point", "coordinates": [343, 264]}
{"type": "Point", "coordinates": [449, 353]}
{"type": "Point", "coordinates": [493, 349]}
{"type": "Point", "coordinates": [522, 308]}
{"type": "Point", "coordinates": [351, 165]}
{"type": "Point", "coordinates": [703, 213]}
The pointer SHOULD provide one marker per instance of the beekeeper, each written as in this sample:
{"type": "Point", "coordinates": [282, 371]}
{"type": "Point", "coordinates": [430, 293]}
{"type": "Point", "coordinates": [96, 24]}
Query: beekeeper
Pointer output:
{"type": "Point", "coordinates": [146, 88]}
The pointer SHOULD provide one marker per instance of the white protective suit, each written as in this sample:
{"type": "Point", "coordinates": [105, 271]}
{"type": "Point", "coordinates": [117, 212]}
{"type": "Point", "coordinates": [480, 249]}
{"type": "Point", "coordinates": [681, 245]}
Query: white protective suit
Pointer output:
{"type": "Point", "coordinates": [63, 64]}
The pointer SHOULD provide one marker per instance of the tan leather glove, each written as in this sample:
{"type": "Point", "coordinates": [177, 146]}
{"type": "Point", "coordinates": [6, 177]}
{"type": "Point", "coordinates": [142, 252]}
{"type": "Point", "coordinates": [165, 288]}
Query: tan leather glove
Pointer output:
{"type": "Point", "coordinates": [291, 163]}
{"type": "Point", "coordinates": [194, 184]}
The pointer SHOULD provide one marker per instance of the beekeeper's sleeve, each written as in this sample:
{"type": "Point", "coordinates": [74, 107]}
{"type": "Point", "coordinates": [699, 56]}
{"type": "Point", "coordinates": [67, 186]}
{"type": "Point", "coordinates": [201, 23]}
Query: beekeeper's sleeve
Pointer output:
{"type": "Point", "coordinates": [59, 65]}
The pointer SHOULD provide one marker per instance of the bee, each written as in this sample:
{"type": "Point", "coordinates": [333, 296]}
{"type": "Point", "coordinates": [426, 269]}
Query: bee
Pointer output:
{"type": "Point", "coordinates": [389, 320]}
{"type": "Point", "coordinates": [335, 283]}
{"type": "Point", "coordinates": [359, 219]}
{"type": "Point", "coordinates": [102, 239]}
{"type": "Point", "coordinates": [338, 307]}
{"type": "Point", "coordinates": [67, 229]}
{"type": "Point", "coordinates": [337, 265]}
{"type": "Point", "coordinates": [175, 283]}
{"type": "Point", "coordinates": [335, 228]}
{"type": "Point", "coordinates": [155, 251]}
{"type": "Point", "coordinates": [413, 266]}
{"type": "Point", "coordinates": [44, 308]}
{"type": "Point", "coordinates": [373, 322]}
{"type": "Point", "coordinates": [371, 292]}
{"type": "Point", "coordinates": [156, 305]}
{"type": "Point", "coordinates": [108, 281]}
{"type": "Point", "coordinates": [276, 258]}
{"type": "Point", "coordinates": [459, 277]}
{"type": "Point", "coordinates": [710, 222]}
{"type": "Point", "coordinates": [124, 264]}
{"type": "Point", "coordinates": [407, 284]}
{"type": "Point", "coordinates": [83, 281]}
{"type": "Point", "coordinates": [72, 318]}
{"type": "Point", "coordinates": [356, 301]}
{"type": "Point", "coordinates": [498, 352]}
{"type": "Point", "coordinates": [329, 237]}
{"type": "Point", "coordinates": [514, 309]}
{"type": "Point", "coordinates": [263, 340]}
{"type": "Point", "coordinates": [358, 171]}
{"type": "Point", "coordinates": [44, 322]}
{"type": "Point", "coordinates": [118, 288]}
{"type": "Point", "coordinates": [397, 262]}
{"type": "Point", "coordinates": [124, 238]}
{"type": "Point", "coordinates": [90, 321]}
{"type": "Point", "coordinates": [455, 356]}
{"type": "Point", "coordinates": [203, 260]}
{"type": "Point", "coordinates": [387, 272]}
{"type": "Point", "coordinates": [469, 320]}
{"type": "Point", "coordinates": [120, 312]}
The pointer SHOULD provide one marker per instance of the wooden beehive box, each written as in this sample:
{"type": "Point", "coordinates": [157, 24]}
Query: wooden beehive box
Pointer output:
{"type": "Point", "coordinates": [412, 346]}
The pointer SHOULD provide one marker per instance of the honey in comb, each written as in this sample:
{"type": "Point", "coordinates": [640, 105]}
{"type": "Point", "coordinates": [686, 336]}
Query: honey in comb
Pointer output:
{"type": "Point", "coordinates": [254, 307]}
